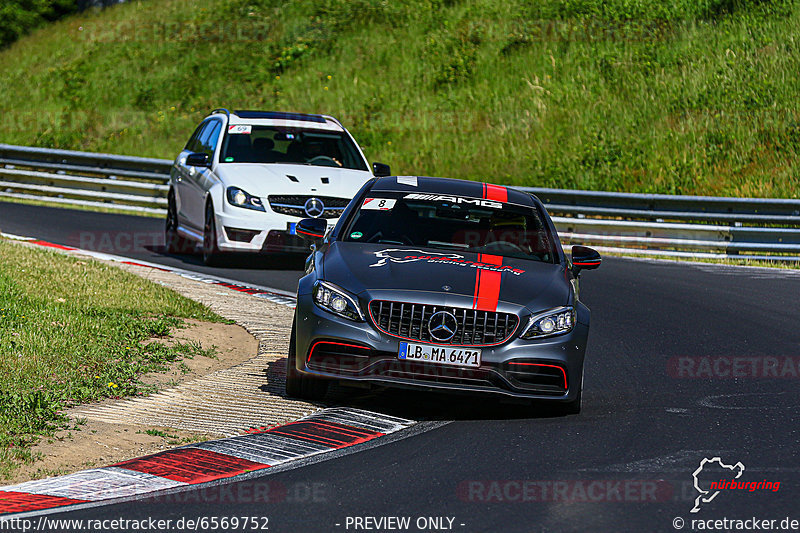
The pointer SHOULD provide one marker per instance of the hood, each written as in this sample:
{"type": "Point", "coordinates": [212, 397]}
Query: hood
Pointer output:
{"type": "Point", "coordinates": [485, 281]}
{"type": "Point", "coordinates": [265, 179]}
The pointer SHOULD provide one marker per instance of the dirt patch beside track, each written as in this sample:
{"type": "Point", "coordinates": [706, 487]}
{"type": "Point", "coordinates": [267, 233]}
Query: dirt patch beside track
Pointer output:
{"type": "Point", "coordinates": [241, 390]}
{"type": "Point", "coordinates": [92, 443]}
{"type": "Point", "coordinates": [232, 345]}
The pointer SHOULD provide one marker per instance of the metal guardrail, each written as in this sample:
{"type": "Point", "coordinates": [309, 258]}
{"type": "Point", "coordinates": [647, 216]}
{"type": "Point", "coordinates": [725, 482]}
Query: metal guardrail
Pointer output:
{"type": "Point", "coordinates": [661, 224]}
{"type": "Point", "coordinates": [135, 184]}
{"type": "Point", "coordinates": [649, 224]}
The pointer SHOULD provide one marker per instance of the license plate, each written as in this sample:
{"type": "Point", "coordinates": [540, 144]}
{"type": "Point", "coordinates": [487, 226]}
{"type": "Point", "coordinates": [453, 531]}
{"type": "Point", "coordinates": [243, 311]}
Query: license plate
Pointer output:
{"type": "Point", "coordinates": [442, 355]}
{"type": "Point", "coordinates": [291, 227]}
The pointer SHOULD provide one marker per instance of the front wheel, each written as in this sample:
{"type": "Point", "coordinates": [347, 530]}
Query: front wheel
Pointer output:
{"type": "Point", "coordinates": [211, 253]}
{"type": "Point", "coordinates": [297, 385]}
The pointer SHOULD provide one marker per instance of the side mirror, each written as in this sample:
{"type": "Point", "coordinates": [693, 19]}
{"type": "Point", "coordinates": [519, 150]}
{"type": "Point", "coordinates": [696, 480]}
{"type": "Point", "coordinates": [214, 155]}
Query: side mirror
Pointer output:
{"type": "Point", "coordinates": [198, 159]}
{"type": "Point", "coordinates": [379, 170]}
{"type": "Point", "coordinates": [312, 229]}
{"type": "Point", "coordinates": [584, 258]}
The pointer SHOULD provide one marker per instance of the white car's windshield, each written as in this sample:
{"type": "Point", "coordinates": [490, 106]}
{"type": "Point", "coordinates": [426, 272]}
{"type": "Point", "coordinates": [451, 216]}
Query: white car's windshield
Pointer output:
{"type": "Point", "coordinates": [272, 144]}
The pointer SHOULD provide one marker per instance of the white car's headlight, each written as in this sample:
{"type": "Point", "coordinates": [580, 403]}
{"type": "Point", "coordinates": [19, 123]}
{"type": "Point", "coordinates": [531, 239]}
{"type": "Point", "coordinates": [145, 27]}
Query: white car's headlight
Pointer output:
{"type": "Point", "coordinates": [549, 323]}
{"type": "Point", "coordinates": [337, 301]}
{"type": "Point", "coordinates": [241, 198]}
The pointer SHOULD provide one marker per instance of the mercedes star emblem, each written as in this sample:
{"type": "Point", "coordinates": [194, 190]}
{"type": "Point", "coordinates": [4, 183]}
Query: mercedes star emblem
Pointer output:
{"type": "Point", "coordinates": [314, 207]}
{"type": "Point", "coordinates": [442, 326]}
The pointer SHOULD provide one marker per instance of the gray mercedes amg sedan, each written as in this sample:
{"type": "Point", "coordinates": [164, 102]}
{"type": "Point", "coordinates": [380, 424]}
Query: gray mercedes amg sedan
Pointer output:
{"type": "Point", "coordinates": [441, 284]}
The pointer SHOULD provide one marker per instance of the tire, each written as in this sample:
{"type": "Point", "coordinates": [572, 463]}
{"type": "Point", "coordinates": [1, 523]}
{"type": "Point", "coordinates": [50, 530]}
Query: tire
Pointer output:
{"type": "Point", "coordinates": [211, 253]}
{"type": "Point", "coordinates": [297, 385]}
{"type": "Point", "coordinates": [174, 243]}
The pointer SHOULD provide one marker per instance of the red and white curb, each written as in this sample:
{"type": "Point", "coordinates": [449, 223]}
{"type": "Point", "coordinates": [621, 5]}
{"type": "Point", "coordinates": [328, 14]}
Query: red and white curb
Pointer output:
{"type": "Point", "coordinates": [188, 466]}
{"type": "Point", "coordinates": [268, 293]}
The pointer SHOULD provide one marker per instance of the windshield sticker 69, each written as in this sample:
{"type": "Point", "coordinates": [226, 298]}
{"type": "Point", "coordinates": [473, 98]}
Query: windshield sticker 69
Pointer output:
{"type": "Point", "coordinates": [394, 255]}
{"type": "Point", "coordinates": [240, 129]}
{"type": "Point", "coordinates": [454, 199]}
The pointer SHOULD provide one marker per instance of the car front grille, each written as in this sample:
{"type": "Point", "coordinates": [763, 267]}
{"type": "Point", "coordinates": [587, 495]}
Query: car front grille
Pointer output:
{"type": "Point", "coordinates": [410, 321]}
{"type": "Point", "coordinates": [294, 205]}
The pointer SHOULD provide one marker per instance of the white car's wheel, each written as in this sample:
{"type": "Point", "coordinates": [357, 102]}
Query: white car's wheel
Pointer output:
{"type": "Point", "coordinates": [211, 253]}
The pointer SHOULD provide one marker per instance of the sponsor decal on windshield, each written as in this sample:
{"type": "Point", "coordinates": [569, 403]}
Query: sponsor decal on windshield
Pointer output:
{"type": "Point", "coordinates": [378, 204]}
{"type": "Point", "coordinates": [454, 199]}
{"type": "Point", "coordinates": [239, 129]}
{"type": "Point", "coordinates": [395, 255]}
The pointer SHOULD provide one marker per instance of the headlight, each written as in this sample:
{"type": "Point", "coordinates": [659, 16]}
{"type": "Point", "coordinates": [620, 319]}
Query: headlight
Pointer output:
{"type": "Point", "coordinates": [335, 300]}
{"type": "Point", "coordinates": [240, 198]}
{"type": "Point", "coordinates": [549, 323]}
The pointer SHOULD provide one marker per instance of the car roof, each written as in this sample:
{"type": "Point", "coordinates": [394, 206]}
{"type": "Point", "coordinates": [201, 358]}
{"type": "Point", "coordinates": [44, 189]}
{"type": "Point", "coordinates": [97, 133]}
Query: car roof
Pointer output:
{"type": "Point", "coordinates": [452, 186]}
{"type": "Point", "coordinates": [279, 115]}
{"type": "Point", "coordinates": [282, 119]}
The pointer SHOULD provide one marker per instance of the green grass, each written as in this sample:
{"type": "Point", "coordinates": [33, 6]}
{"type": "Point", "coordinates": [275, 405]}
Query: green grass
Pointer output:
{"type": "Point", "coordinates": [159, 433]}
{"type": "Point", "coordinates": [72, 331]}
{"type": "Point", "coordinates": [684, 97]}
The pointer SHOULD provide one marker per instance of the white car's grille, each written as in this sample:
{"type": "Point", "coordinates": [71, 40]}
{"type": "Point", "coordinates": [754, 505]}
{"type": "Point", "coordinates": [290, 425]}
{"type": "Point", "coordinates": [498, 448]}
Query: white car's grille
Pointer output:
{"type": "Point", "coordinates": [303, 206]}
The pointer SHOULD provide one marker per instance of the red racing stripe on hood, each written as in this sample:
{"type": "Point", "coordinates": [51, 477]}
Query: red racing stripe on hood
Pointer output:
{"type": "Point", "coordinates": [487, 284]}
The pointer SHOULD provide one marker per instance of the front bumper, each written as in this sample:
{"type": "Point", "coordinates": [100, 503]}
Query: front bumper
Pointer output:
{"type": "Point", "coordinates": [240, 230]}
{"type": "Point", "coordinates": [339, 349]}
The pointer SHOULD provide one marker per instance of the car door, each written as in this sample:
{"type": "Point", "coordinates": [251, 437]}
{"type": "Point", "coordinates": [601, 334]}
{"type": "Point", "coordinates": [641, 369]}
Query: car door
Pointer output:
{"type": "Point", "coordinates": [198, 180]}
{"type": "Point", "coordinates": [208, 178]}
{"type": "Point", "coordinates": [182, 173]}
{"type": "Point", "coordinates": [185, 187]}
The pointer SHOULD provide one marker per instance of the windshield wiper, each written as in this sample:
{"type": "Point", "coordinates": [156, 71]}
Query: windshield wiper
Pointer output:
{"type": "Point", "coordinates": [457, 246]}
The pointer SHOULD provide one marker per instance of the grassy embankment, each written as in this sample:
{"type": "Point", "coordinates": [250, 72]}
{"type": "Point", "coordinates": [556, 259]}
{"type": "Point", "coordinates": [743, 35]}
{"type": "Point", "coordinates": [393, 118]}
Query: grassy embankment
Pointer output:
{"type": "Point", "coordinates": [684, 97]}
{"type": "Point", "coordinates": [72, 331]}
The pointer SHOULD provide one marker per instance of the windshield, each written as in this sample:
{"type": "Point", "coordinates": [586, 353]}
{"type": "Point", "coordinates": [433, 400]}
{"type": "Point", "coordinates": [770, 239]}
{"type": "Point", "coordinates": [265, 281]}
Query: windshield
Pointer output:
{"type": "Point", "coordinates": [453, 223]}
{"type": "Point", "coordinates": [273, 144]}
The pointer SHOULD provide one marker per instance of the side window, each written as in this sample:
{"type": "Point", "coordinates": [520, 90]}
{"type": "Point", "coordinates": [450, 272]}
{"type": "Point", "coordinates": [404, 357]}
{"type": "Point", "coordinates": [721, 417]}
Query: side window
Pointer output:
{"type": "Point", "coordinates": [193, 144]}
{"type": "Point", "coordinates": [213, 140]}
{"type": "Point", "coordinates": [210, 137]}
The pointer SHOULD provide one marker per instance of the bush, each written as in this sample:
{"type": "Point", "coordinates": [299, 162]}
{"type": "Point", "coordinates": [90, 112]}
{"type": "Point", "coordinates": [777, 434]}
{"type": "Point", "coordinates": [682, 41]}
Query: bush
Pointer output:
{"type": "Point", "coordinates": [18, 17]}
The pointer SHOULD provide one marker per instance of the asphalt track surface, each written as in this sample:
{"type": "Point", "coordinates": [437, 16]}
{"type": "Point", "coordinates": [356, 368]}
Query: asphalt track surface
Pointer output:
{"type": "Point", "coordinates": [624, 464]}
